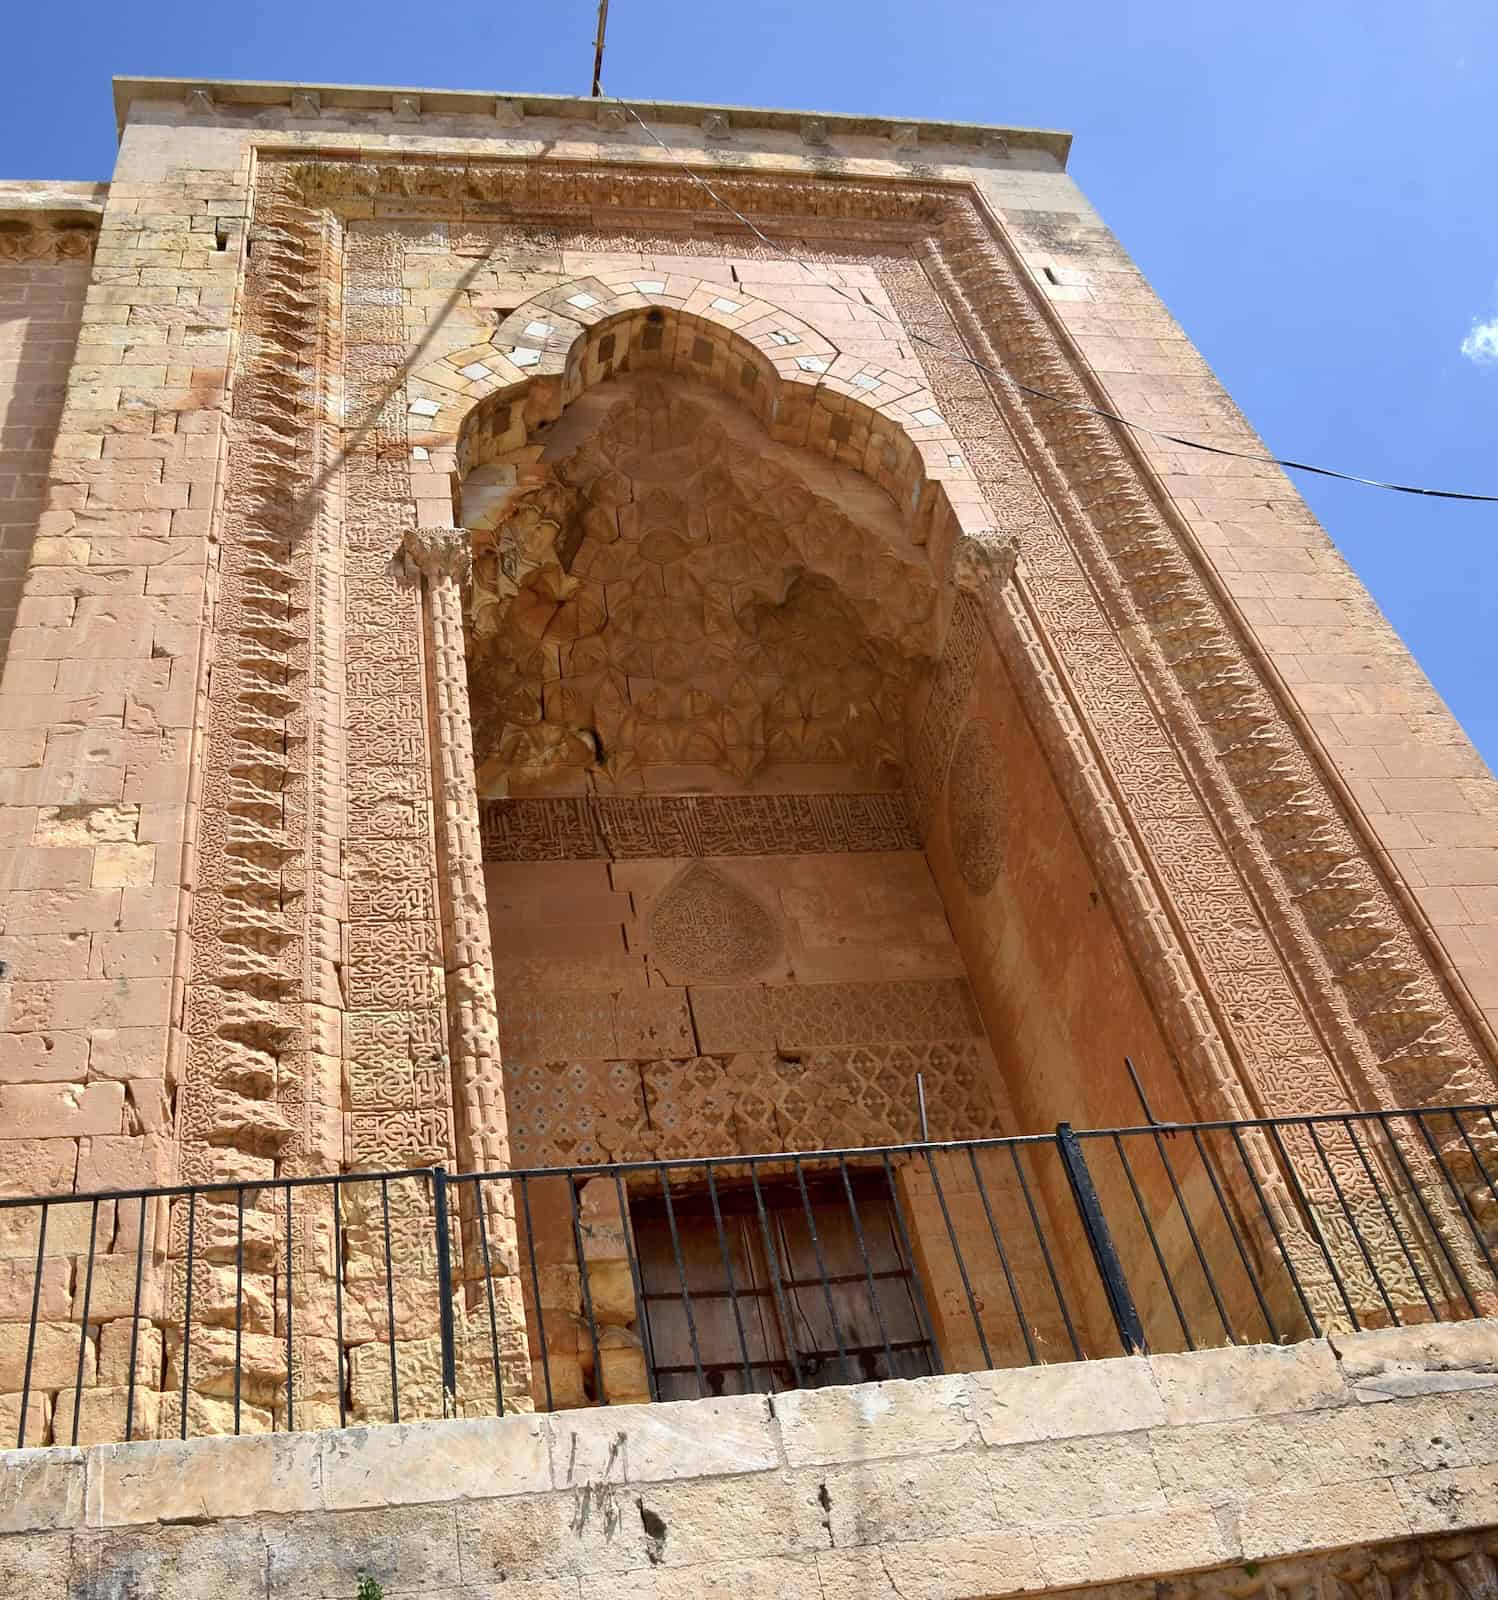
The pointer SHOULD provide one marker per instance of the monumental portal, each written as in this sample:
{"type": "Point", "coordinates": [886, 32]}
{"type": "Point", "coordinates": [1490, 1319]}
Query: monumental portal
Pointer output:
{"type": "Point", "coordinates": [547, 639]}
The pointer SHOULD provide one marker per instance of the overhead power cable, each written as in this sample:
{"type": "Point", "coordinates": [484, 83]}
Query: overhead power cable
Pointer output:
{"type": "Point", "coordinates": [1014, 383]}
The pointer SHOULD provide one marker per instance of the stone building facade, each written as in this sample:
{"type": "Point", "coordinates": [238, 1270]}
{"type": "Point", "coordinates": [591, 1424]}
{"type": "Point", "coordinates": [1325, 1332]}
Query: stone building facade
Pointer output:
{"type": "Point", "coordinates": [523, 658]}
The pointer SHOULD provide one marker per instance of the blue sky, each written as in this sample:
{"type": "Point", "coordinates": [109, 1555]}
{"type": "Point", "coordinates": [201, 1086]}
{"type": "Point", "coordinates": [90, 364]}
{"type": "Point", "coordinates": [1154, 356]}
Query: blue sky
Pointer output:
{"type": "Point", "coordinates": [1309, 186]}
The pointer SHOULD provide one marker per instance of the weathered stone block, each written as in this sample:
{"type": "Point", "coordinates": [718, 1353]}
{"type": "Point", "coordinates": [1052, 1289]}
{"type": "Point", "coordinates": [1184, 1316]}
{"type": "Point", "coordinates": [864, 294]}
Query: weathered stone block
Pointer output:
{"type": "Point", "coordinates": [941, 1569]}
{"type": "Point", "coordinates": [1435, 1502]}
{"type": "Point", "coordinates": [917, 1497]}
{"type": "Point", "coordinates": [38, 1420]}
{"type": "Point", "coordinates": [1426, 1359]}
{"type": "Point", "coordinates": [54, 1355]}
{"type": "Point", "coordinates": [61, 1110]}
{"type": "Point", "coordinates": [172, 1480]}
{"type": "Point", "coordinates": [1055, 1402]}
{"type": "Point", "coordinates": [411, 1463]}
{"type": "Point", "coordinates": [40, 1489]}
{"type": "Point", "coordinates": [18, 1286]}
{"type": "Point", "coordinates": [1248, 1381]}
{"type": "Point", "coordinates": [870, 1420]}
{"type": "Point", "coordinates": [1112, 1549]}
{"type": "Point", "coordinates": [104, 1412]}
{"type": "Point", "coordinates": [1064, 1480]}
{"type": "Point", "coordinates": [1320, 1519]}
{"type": "Point", "coordinates": [227, 1561]}
{"type": "Point", "coordinates": [650, 1443]}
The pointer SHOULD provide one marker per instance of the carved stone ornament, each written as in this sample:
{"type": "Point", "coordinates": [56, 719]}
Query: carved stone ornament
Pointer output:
{"type": "Point", "coordinates": [975, 806]}
{"type": "Point", "coordinates": [440, 552]}
{"type": "Point", "coordinates": [47, 238]}
{"type": "Point", "coordinates": [708, 928]}
{"type": "Point", "coordinates": [985, 561]}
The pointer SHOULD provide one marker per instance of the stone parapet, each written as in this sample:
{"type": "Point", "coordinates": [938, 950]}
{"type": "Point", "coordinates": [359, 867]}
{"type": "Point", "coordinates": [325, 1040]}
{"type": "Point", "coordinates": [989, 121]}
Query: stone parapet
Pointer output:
{"type": "Point", "coordinates": [1106, 1472]}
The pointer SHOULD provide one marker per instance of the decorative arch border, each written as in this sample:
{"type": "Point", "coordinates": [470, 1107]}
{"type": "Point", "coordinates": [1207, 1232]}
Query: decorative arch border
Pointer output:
{"type": "Point", "coordinates": [803, 390]}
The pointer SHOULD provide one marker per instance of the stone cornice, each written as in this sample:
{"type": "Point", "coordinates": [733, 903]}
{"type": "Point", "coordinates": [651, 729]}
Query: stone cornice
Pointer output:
{"type": "Point", "coordinates": [235, 100]}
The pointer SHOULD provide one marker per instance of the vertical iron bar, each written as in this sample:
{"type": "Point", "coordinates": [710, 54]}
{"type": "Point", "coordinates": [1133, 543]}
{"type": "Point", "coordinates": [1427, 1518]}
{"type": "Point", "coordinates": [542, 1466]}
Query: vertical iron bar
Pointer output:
{"type": "Point", "coordinates": [967, 1288]}
{"type": "Point", "coordinates": [816, 1246]}
{"type": "Point", "coordinates": [530, 1250]}
{"type": "Point", "coordinates": [1390, 1216]}
{"type": "Point", "coordinates": [140, 1262]}
{"type": "Point", "coordinates": [1045, 1252]}
{"type": "Point", "coordinates": [681, 1273]}
{"type": "Point", "coordinates": [1455, 1188]}
{"type": "Point", "coordinates": [600, 1389]}
{"type": "Point", "coordinates": [1196, 1244]}
{"type": "Point", "coordinates": [1253, 1178]}
{"type": "Point", "coordinates": [733, 1293]}
{"type": "Point", "coordinates": [1100, 1241]}
{"type": "Point", "coordinates": [1227, 1216]}
{"type": "Point", "coordinates": [340, 1354]}
{"type": "Point", "coordinates": [642, 1322]}
{"type": "Point", "coordinates": [395, 1393]}
{"type": "Point", "coordinates": [1363, 1250]}
{"type": "Point", "coordinates": [446, 1338]}
{"type": "Point", "coordinates": [88, 1294]}
{"type": "Point", "coordinates": [1430, 1221]}
{"type": "Point", "coordinates": [998, 1244]}
{"type": "Point", "coordinates": [1312, 1224]}
{"type": "Point", "coordinates": [499, 1388]}
{"type": "Point", "coordinates": [1472, 1151]}
{"type": "Point", "coordinates": [868, 1270]}
{"type": "Point", "coordinates": [772, 1266]}
{"type": "Point", "coordinates": [1149, 1229]}
{"type": "Point", "coordinates": [290, 1418]}
{"type": "Point", "coordinates": [192, 1221]}
{"type": "Point", "coordinates": [917, 1294]}
{"type": "Point", "coordinates": [238, 1303]}
{"type": "Point", "coordinates": [36, 1305]}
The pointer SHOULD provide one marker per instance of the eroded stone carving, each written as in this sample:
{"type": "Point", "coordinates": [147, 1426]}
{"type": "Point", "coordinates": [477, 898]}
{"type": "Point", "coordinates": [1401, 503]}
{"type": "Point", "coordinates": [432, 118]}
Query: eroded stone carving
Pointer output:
{"type": "Point", "coordinates": [706, 927]}
{"type": "Point", "coordinates": [667, 595]}
{"type": "Point", "coordinates": [975, 806]}
{"type": "Point", "coordinates": [68, 238]}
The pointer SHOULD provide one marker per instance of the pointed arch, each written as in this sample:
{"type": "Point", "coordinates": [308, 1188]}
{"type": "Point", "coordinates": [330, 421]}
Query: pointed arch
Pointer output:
{"type": "Point", "coordinates": [484, 400]}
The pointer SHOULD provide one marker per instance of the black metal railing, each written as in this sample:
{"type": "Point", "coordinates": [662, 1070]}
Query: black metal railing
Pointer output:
{"type": "Point", "coordinates": [320, 1301]}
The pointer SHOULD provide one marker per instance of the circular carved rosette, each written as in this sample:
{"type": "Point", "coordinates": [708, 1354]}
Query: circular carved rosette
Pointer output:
{"type": "Point", "coordinates": [976, 808]}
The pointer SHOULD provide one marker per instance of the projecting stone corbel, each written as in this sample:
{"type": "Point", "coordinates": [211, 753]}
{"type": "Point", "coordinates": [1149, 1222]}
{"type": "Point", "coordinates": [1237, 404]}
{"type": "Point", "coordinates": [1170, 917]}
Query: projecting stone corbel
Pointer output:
{"type": "Point", "coordinates": [984, 562]}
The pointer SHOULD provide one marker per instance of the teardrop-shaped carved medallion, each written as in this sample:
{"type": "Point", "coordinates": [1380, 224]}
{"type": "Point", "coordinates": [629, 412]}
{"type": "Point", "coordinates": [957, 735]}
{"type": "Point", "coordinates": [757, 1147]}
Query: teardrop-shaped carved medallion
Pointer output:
{"type": "Point", "coordinates": [708, 928]}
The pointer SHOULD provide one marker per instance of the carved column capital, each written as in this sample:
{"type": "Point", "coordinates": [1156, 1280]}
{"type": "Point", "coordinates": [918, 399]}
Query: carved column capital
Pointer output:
{"type": "Point", "coordinates": [985, 561]}
{"type": "Point", "coordinates": [440, 552]}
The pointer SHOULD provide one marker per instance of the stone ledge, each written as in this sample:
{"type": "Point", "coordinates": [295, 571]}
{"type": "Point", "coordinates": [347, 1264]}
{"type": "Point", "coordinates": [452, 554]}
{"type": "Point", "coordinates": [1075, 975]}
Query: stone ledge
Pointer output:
{"type": "Point", "coordinates": [1034, 1478]}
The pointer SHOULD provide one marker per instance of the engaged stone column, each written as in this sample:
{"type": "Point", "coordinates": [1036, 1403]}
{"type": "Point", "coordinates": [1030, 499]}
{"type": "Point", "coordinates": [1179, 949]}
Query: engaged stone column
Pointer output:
{"type": "Point", "coordinates": [443, 556]}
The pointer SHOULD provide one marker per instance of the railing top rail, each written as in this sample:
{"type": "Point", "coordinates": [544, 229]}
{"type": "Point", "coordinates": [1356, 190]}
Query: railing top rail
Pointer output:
{"type": "Point", "coordinates": [234, 1188]}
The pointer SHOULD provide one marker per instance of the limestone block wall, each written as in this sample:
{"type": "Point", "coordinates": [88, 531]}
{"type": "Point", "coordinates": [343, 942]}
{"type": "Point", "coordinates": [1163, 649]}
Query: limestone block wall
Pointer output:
{"type": "Point", "coordinates": [1232, 1472]}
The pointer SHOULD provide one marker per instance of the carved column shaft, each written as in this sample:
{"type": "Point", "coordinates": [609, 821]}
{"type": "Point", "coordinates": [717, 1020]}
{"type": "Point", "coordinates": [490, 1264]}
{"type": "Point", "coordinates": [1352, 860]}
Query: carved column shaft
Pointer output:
{"type": "Point", "coordinates": [442, 554]}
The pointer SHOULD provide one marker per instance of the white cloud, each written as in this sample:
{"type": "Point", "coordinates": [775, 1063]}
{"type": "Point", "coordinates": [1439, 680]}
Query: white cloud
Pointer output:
{"type": "Point", "coordinates": [1481, 344]}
